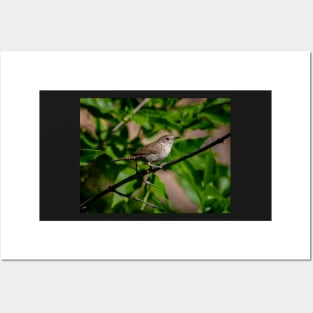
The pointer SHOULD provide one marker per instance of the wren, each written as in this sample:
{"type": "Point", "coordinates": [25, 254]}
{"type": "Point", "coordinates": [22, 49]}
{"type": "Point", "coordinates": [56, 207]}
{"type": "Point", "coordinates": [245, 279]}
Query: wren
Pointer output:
{"type": "Point", "coordinates": [153, 152]}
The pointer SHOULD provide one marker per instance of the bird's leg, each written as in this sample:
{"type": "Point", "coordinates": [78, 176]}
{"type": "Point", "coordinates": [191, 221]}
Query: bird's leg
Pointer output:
{"type": "Point", "coordinates": [147, 182]}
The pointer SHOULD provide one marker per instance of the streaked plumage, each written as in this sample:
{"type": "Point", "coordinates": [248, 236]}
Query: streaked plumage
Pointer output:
{"type": "Point", "coordinates": [153, 152]}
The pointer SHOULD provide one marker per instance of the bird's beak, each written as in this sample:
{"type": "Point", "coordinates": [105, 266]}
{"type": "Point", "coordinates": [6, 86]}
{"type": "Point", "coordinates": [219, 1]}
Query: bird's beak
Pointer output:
{"type": "Point", "coordinates": [177, 137]}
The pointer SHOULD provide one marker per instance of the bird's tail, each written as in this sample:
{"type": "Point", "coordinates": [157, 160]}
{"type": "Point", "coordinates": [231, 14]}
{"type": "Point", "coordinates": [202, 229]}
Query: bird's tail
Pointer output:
{"type": "Point", "coordinates": [130, 157]}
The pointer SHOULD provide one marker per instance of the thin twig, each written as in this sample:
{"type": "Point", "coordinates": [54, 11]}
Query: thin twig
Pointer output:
{"type": "Point", "coordinates": [127, 117]}
{"type": "Point", "coordinates": [142, 173]}
{"type": "Point", "coordinates": [136, 199]}
{"type": "Point", "coordinates": [145, 199]}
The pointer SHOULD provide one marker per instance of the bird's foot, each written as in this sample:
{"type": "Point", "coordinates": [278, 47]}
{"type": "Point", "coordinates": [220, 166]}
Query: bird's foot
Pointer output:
{"type": "Point", "coordinates": [147, 182]}
{"type": "Point", "coordinates": [152, 166]}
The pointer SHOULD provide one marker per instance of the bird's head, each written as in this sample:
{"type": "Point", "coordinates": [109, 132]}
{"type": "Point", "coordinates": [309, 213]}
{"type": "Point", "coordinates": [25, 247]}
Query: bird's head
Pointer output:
{"type": "Point", "coordinates": [167, 139]}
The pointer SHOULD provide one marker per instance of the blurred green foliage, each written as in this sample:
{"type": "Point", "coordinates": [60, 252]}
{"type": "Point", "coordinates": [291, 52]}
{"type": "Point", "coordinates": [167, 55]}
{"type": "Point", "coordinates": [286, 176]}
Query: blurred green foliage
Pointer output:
{"type": "Point", "coordinates": [204, 181]}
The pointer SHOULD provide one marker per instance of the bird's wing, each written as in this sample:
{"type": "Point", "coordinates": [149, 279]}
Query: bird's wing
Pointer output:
{"type": "Point", "coordinates": [143, 150]}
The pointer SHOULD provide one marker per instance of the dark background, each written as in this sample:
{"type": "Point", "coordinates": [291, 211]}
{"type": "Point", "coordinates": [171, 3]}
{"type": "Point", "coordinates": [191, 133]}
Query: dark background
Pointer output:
{"type": "Point", "coordinates": [250, 155]}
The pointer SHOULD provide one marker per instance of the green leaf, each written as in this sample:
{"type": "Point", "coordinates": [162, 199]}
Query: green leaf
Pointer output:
{"type": "Point", "coordinates": [182, 147]}
{"type": "Point", "coordinates": [220, 205]}
{"type": "Point", "coordinates": [211, 192]}
{"type": "Point", "coordinates": [223, 185]}
{"type": "Point", "coordinates": [186, 179]}
{"type": "Point", "coordinates": [160, 190]}
{"type": "Point", "coordinates": [210, 167]}
{"type": "Point", "coordinates": [127, 188]}
{"type": "Point", "coordinates": [217, 101]}
{"type": "Point", "coordinates": [149, 118]}
{"type": "Point", "coordinates": [142, 120]}
{"type": "Point", "coordinates": [190, 109]}
{"type": "Point", "coordinates": [104, 105]}
{"type": "Point", "coordinates": [222, 181]}
{"type": "Point", "coordinates": [189, 190]}
{"type": "Point", "coordinates": [216, 115]}
{"type": "Point", "coordinates": [86, 141]}
{"type": "Point", "coordinates": [87, 155]}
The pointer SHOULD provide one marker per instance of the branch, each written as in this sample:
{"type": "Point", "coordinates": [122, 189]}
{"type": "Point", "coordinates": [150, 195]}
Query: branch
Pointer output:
{"type": "Point", "coordinates": [187, 156]}
{"type": "Point", "coordinates": [126, 118]}
{"type": "Point", "coordinates": [136, 199]}
{"type": "Point", "coordinates": [142, 173]}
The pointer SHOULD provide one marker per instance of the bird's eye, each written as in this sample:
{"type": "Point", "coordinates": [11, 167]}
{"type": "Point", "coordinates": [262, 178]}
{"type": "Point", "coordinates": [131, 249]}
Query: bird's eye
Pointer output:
{"type": "Point", "coordinates": [167, 138]}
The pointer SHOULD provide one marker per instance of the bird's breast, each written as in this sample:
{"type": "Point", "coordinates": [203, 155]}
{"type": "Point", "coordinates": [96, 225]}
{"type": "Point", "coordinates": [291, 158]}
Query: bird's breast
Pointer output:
{"type": "Point", "coordinates": [165, 151]}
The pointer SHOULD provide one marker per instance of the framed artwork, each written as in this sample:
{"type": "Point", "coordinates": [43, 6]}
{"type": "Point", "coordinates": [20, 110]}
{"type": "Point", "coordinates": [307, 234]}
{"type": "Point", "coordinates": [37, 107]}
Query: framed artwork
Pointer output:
{"type": "Point", "coordinates": [199, 187]}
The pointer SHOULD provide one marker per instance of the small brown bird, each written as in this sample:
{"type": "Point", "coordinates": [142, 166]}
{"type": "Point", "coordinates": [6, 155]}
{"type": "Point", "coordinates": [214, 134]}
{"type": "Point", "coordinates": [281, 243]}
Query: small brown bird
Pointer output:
{"type": "Point", "coordinates": [153, 152]}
